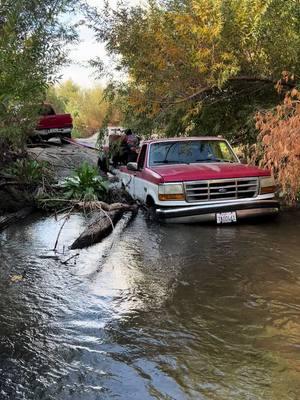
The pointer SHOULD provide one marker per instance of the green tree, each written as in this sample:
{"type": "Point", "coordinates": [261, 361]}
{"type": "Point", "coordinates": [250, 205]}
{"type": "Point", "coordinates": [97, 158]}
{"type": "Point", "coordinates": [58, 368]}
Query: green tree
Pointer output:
{"type": "Point", "coordinates": [33, 35]}
{"type": "Point", "coordinates": [185, 57]}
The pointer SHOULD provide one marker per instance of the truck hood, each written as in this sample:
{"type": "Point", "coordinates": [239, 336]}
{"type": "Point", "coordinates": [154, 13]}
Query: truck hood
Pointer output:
{"type": "Point", "coordinates": [206, 171]}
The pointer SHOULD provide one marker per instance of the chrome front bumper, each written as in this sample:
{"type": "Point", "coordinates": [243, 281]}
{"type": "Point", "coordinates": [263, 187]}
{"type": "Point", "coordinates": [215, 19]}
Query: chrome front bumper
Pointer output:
{"type": "Point", "coordinates": [207, 213]}
{"type": "Point", "coordinates": [53, 132]}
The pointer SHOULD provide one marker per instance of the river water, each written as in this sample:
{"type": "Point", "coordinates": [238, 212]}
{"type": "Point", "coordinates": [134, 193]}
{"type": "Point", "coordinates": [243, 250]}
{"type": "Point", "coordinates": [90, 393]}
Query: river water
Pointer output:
{"type": "Point", "coordinates": [153, 312]}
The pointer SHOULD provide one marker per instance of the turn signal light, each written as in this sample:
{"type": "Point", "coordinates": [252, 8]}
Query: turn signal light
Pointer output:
{"type": "Point", "coordinates": [267, 190]}
{"type": "Point", "coordinates": [166, 197]}
{"type": "Point", "coordinates": [267, 185]}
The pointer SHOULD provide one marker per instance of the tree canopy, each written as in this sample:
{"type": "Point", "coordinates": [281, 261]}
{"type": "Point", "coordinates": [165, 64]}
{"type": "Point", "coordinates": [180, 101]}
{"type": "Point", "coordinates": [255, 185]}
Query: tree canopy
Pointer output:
{"type": "Point", "coordinates": [184, 56]}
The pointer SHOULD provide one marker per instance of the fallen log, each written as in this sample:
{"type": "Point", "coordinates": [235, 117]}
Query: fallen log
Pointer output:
{"type": "Point", "coordinates": [8, 219]}
{"type": "Point", "coordinates": [101, 205]}
{"type": "Point", "coordinates": [89, 205]}
{"type": "Point", "coordinates": [99, 229]}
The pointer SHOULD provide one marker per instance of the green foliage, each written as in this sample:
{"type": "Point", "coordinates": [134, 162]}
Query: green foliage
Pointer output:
{"type": "Point", "coordinates": [230, 115]}
{"type": "Point", "coordinates": [33, 35]}
{"type": "Point", "coordinates": [30, 172]}
{"type": "Point", "coordinates": [86, 184]}
{"type": "Point", "coordinates": [200, 66]}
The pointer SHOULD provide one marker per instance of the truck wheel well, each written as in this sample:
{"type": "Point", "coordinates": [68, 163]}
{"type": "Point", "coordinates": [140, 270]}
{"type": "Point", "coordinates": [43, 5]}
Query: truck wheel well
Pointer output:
{"type": "Point", "coordinates": [149, 201]}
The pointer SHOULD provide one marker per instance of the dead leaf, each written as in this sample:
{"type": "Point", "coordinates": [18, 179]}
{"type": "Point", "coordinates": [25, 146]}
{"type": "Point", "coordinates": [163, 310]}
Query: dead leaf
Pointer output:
{"type": "Point", "coordinates": [16, 278]}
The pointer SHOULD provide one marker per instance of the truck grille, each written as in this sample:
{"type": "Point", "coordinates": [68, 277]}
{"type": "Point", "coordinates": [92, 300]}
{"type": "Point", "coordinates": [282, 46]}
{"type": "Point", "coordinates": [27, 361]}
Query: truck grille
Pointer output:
{"type": "Point", "coordinates": [221, 189]}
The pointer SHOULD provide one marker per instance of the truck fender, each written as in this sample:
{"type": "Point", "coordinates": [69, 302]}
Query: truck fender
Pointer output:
{"type": "Point", "coordinates": [126, 180]}
{"type": "Point", "coordinates": [151, 197]}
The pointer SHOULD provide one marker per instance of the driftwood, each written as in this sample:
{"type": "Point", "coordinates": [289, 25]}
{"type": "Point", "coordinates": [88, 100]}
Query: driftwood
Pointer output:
{"type": "Point", "coordinates": [101, 205]}
{"type": "Point", "coordinates": [101, 227]}
{"type": "Point", "coordinates": [10, 218]}
{"type": "Point", "coordinates": [90, 205]}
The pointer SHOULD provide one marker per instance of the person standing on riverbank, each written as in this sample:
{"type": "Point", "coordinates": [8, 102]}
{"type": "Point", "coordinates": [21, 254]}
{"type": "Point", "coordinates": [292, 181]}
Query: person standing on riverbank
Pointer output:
{"type": "Point", "coordinates": [103, 161]}
{"type": "Point", "coordinates": [131, 143]}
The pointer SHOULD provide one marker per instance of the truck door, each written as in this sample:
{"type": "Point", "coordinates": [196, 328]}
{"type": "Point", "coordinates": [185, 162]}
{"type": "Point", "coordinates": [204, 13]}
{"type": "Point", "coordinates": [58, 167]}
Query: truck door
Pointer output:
{"type": "Point", "coordinates": [140, 184]}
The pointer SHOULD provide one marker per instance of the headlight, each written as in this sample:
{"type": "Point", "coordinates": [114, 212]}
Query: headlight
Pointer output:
{"type": "Point", "coordinates": [171, 191]}
{"type": "Point", "coordinates": [267, 185]}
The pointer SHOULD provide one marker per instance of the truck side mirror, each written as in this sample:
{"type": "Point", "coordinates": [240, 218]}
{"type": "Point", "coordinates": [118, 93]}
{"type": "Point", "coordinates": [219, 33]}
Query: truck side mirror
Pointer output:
{"type": "Point", "coordinates": [132, 166]}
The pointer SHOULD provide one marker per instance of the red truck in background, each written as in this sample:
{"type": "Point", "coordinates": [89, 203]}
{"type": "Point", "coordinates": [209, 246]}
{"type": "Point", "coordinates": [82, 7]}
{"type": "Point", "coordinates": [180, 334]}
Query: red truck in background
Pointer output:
{"type": "Point", "coordinates": [52, 125]}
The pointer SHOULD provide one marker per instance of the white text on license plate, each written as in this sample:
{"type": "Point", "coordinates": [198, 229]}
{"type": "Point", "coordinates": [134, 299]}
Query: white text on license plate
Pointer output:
{"type": "Point", "coordinates": [54, 130]}
{"type": "Point", "coordinates": [226, 217]}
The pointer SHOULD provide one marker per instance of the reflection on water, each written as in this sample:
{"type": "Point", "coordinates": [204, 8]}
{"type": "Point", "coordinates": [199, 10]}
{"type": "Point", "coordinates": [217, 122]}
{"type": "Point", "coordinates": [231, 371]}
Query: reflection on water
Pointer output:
{"type": "Point", "coordinates": [160, 312]}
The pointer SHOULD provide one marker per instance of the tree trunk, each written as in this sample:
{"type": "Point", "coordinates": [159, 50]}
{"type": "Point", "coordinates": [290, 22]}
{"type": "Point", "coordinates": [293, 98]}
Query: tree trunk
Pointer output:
{"type": "Point", "coordinates": [99, 229]}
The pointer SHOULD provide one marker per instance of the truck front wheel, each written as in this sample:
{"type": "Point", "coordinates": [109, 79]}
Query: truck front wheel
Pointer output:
{"type": "Point", "coordinates": [151, 208]}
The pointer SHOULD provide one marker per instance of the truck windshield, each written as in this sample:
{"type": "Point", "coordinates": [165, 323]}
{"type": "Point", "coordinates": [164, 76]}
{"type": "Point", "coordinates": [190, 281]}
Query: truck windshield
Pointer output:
{"type": "Point", "coordinates": [191, 151]}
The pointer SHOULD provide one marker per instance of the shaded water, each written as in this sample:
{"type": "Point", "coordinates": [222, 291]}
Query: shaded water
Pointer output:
{"type": "Point", "coordinates": [160, 312]}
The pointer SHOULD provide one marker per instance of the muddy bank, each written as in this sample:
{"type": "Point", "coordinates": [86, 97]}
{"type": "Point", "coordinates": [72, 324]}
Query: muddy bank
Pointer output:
{"type": "Point", "coordinates": [14, 197]}
{"type": "Point", "coordinates": [10, 218]}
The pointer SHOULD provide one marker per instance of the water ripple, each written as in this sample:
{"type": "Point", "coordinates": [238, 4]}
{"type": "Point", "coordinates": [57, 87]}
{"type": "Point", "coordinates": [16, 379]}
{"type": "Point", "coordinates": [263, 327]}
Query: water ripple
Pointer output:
{"type": "Point", "coordinates": [156, 312]}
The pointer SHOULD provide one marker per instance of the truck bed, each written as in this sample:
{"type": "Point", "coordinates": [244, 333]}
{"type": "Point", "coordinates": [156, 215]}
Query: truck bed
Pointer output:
{"type": "Point", "coordinates": [57, 121]}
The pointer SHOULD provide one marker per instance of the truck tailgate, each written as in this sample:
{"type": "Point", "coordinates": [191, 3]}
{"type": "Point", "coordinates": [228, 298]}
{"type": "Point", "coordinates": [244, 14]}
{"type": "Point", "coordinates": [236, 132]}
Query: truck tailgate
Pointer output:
{"type": "Point", "coordinates": [55, 121]}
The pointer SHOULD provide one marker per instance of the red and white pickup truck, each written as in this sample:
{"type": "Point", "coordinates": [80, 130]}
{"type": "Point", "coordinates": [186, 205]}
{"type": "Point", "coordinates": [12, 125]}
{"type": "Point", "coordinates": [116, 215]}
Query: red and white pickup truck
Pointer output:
{"type": "Point", "coordinates": [51, 124]}
{"type": "Point", "coordinates": [198, 179]}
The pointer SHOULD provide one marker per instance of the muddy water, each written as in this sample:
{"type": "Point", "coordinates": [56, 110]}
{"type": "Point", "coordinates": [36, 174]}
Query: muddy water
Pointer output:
{"type": "Point", "coordinates": [156, 312]}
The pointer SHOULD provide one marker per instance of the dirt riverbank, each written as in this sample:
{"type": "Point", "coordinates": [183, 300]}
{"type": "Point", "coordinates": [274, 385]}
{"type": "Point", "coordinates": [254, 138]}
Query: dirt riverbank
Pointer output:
{"type": "Point", "coordinates": [62, 160]}
{"type": "Point", "coordinates": [18, 199]}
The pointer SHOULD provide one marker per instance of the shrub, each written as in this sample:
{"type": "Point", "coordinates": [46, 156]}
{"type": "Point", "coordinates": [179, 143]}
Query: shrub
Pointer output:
{"type": "Point", "coordinates": [30, 172]}
{"type": "Point", "coordinates": [86, 184]}
{"type": "Point", "coordinates": [280, 144]}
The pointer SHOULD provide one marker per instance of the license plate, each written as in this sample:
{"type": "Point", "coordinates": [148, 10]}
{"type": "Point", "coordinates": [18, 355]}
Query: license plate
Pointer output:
{"type": "Point", "coordinates": [55, 130]}
{"type": "Point", "coordinates": [226, 218]}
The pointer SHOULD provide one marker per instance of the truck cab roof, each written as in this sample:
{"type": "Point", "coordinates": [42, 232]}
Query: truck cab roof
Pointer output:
{"type": "Point", "coordinates": [182, 139]}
